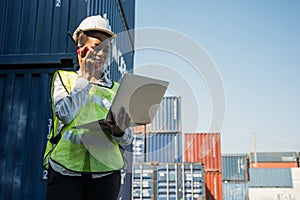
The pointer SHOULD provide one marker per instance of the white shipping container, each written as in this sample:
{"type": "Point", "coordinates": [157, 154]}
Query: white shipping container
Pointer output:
{"type": "Point", "coordinates": [296, 182]}
{"type": "Point", "coordinates": [271, 194]}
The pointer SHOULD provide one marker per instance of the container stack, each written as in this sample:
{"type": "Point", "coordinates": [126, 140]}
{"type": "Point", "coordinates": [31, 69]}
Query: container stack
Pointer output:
{"type": "Point", "coordinates": [235, 176]}
{"type": "Point", "coordinates": [206, 148]}
{"type": "Point", "coordinates": [271, 177]}
{"type": "Point", "coordinates": [164, 181]}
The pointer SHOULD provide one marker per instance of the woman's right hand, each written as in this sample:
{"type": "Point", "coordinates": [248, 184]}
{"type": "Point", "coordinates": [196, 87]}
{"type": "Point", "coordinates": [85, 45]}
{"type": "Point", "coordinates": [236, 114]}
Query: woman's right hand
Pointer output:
{"type": "Point", "coordinates": [87, 63]}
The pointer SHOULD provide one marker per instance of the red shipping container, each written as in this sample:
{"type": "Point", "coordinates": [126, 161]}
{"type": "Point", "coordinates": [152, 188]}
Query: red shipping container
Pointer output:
{"type": "Point", "coordinates": [213, 185]}
{"type": "Point", "coordinates": [274, 165]}
{"type": "Point", "coordinates": [205, 148]}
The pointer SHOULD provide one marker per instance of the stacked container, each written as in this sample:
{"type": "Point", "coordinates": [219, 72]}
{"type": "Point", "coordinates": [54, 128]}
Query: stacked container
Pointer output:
{"type": "Point", "coordinates": [235, 176]}
{"type": "Point", "coordinates": [273, 160]}
{"type": "Point", "coordinates": [270, 183]}
{"type": "Point", "coordinates": [160, 147]}
{"type": "Point", "coordinates": [168, 181]}
{"type": "Point", "coordinates": [206, 148]}
{"type": "Point", "coordinates": [160, 141]}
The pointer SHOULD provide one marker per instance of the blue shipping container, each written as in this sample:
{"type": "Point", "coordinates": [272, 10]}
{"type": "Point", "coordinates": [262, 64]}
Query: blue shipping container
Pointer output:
{"type": "Point", "coordinates": [270, 177]}
{"type": "Point", "coordinates": [160, 147]}
{"type": "Point", "coordinates": [36, 31]}
{"type": "Point", "coordinates": [24, 115]}
{"type": "Point", "coordinates": [168, 116]}
{"type": "Point", "coordinates": [274, 157]}
{"type": "Point", "coordinates": [235, 167]}
{"type": "Point", "coordinates": [235, 191]}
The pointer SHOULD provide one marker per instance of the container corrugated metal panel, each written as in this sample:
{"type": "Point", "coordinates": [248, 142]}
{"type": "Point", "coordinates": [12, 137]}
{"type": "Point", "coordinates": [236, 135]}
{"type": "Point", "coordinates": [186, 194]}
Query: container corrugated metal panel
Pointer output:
{"type": "Point", "coordinates": [143, 177]}
{"type": "Point", "coordinates": [160, 147]}
{"type": "Point", "coordinates": [235, 167]}
{"type": "Point", "coordinates": [213, 184]}
{"type": "Point", "coordinates": [38, 28]}
{"type": "Point", "coordinates": [164, 181]}
{"type": "Point", "coordinates": [164, 147]}
{"type": "Point", "coordinates": [193, 181]}
{"type": "Point", "coordinates": [235, 191]}
{"type": "Point", "coordinates": [205, 148]}
{"type": "Point", "coordinates": [271, 193]}
{"type": "Point", "coordinates": [35, 32]}
{"type": "Point", "coordinates": [167, 117]}
{"type": "Point", "coordinates": [128, 5]}
{"type": "Point", "coordinates": [24, 114]}
{"type": "Point", "coordinates": [270, 177]}
{"type": "Point", "coordinates": [274, 165]}
{"type": "Point", "coordinates": [274, 157]}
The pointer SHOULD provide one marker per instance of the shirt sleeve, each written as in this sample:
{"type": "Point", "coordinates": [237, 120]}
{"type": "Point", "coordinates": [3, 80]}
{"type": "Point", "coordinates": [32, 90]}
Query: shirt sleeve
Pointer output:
{"type": "Point", "coordinates": [126, 138]}
{"type": "Point", "coordinates": [67, 105]}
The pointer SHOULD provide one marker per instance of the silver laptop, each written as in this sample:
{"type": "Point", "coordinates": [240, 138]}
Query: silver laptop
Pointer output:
{"type": "Point", "coordinates": [140, 96]}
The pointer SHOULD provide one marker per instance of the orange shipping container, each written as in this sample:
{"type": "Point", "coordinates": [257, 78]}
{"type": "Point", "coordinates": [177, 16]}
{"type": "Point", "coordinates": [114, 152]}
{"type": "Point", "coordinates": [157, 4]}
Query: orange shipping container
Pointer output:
{"type": "Point", "coordinates": [274, 165]}
{"type": "Point", "coordinates": [205, 148]}
{"type": "Point", "coordinates": [213, 185]}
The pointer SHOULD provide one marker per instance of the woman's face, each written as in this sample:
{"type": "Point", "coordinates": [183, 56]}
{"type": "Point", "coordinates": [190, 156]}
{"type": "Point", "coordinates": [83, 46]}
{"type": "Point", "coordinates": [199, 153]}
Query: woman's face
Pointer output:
{"type": "Point", "coordinates": [95, 51]}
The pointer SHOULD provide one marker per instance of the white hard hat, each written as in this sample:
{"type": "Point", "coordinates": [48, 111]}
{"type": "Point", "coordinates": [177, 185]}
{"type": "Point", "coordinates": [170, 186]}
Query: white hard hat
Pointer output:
{"type": "Point", "coordinates": [96, 23]}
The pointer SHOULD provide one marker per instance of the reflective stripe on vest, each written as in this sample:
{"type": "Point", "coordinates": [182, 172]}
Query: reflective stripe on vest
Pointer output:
{"type": "Point", "coordinates": [84, 150]}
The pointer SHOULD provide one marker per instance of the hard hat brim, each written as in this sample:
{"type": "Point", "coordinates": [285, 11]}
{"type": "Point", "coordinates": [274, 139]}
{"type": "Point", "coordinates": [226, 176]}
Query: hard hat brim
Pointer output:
{"type": "Point", "coordinates": [109, 33]}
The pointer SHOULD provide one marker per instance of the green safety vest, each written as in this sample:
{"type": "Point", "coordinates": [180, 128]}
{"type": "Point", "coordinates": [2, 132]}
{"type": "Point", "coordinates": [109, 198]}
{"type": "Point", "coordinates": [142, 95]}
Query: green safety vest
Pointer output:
{"type": "Point", "coordinates": [84, 150]}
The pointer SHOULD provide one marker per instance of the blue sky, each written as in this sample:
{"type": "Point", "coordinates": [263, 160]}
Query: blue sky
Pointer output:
{"type": "Point", "coordinates": [255, 46]}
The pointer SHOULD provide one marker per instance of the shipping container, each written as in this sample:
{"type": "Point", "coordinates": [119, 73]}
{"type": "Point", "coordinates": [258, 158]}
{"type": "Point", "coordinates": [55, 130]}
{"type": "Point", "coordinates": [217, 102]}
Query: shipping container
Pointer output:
{"type": "Point", "coordinates": [168, 116]}
{"type": "Point", "coordinates": [235, 190]}
{"type": "Point", "coordinates": [270, 177]}
{"type": "Point", "coordinates": [205, 148]}
{"type": "Point", "coordinates": [273, 160]}
{"type": "Point", "coordinates": [271, 193]}
{"type": "Point", "coordinates": [168, 181]}
{"type": "Point", "coordinates": [235, 167]}
{"type": "Point", "coordinates": [213, 184]}
{"type": "Point", "coordinates": [160, 147]}
{"type": "Point", "coordinates": [296, 182]}
{"type": "Point", "coordinates": [24, 125]}
{"type": "Point", "coordinates": [35, 32]}
{"type": "Point", "coordinates": [33, 44]}
{"type": "Point", "coordinates": [143, 181]}
{"type": "Point", "coordinates": [273, 157]}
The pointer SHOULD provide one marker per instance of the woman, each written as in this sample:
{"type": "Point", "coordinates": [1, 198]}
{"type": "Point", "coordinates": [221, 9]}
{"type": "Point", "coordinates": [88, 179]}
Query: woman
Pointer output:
{"type": "Point", "coordinates": [86, 163]}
